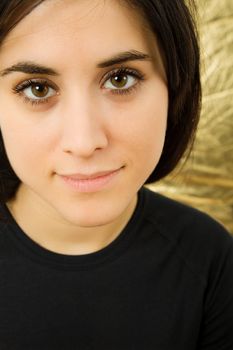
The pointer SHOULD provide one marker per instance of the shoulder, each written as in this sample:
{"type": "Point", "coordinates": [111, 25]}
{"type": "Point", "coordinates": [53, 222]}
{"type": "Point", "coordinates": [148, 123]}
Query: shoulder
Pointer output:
{"type": "Point", "coordinates": [175, 217]}
{"type": "Point", "coordinates": [197, 237]}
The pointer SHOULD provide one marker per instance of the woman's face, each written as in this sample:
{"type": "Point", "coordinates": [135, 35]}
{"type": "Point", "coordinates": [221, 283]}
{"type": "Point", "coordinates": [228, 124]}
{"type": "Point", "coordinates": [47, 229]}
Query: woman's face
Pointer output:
{"type": "Point", "coordinates": [68, 118]}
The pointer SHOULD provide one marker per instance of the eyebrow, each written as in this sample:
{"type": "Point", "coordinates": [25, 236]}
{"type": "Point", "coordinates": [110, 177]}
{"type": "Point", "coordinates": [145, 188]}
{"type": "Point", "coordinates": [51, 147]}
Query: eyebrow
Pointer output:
{"type": "Point", "coordinates": [34, 68]}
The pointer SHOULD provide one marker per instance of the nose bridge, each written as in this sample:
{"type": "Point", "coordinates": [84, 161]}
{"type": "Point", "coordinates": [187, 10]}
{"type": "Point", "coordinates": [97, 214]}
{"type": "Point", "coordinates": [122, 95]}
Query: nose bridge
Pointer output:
{"type": "Point", "coordinates": [83, 129]}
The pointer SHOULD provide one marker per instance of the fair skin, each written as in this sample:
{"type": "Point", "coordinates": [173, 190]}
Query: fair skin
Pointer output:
{"type": "Point", "coordinates": [83, 127]}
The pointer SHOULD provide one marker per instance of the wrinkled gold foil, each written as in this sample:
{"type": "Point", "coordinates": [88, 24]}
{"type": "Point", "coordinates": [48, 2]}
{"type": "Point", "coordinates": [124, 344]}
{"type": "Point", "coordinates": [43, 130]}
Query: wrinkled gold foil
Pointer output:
{"type": "Point", "coordinates": [206, 180]}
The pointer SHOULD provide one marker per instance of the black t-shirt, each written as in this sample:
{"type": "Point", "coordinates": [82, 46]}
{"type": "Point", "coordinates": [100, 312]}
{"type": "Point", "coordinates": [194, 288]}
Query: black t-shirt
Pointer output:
{"type": "Point", "coordinates": [165, 283]}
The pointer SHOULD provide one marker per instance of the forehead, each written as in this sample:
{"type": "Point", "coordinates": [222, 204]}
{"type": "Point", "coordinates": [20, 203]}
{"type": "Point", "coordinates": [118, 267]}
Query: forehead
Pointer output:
{"type": "Point", "coordinates": [62, 29]}
{"type": "Point", "coordinates": [63, 17]}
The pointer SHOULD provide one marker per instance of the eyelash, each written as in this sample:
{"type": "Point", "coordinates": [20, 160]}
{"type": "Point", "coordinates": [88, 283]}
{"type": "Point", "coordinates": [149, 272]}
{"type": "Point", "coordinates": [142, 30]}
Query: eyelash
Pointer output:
{"type": "Point", "coordinates": [120, 71]}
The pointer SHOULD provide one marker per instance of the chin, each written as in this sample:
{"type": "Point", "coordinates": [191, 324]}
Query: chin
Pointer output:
{"type": "Point", "coordinates": [93, 212]}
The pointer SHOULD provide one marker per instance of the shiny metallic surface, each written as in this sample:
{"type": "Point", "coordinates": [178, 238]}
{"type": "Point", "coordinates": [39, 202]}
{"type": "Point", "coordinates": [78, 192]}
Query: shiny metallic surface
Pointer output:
{"type": "Point", "coordinates": [206, 180]}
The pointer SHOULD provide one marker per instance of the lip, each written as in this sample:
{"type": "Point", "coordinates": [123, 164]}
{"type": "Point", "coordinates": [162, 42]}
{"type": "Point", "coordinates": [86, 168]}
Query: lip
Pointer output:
{"type": "Point", "coordinates": [89, 176]}
{"type": "Point", "coordinates": [90, 183]}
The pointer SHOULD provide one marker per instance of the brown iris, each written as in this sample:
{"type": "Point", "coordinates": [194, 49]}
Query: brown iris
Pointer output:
{"type": "Point", "coordinates": [120, 79]}
{"type": "Point", "coordinates": [39, 90]}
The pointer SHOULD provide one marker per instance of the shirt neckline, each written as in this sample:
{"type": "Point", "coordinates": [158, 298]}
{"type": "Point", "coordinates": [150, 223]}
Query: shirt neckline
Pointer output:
{"type": "Point", "coordinates": [33, 250]}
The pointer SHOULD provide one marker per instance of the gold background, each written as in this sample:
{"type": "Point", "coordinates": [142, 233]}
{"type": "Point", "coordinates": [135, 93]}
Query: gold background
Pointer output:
{"type": "Point", "coordinates": [206, 180]}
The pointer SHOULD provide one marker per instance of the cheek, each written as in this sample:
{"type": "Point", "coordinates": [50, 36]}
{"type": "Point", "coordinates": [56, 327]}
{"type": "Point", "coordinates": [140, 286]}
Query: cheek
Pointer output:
{"type": "Point", "coordinates": [144, 131]}
{"type": "Point", "coordinates": [149, 144]}
{"type": "Point", "coordinates": [24, 149]}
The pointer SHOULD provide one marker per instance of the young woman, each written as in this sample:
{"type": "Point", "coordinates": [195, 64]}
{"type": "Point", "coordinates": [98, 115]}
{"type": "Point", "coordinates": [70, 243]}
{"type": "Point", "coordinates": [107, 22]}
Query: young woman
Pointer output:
{"type": "Point", "coordinates": [99, 98]}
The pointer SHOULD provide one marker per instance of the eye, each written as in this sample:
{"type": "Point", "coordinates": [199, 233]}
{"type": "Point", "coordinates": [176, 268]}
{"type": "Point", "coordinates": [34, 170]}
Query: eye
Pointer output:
{"type": "Point", "coordinates": [35, 91]}
{"type": "Point", "coordinates": [123, 80]}
{"type": "Point", "coordinates": [39, 91]}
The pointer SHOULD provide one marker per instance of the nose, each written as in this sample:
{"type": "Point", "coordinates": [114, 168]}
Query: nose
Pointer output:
{"type": "Point", "coordinates": [83, 130]}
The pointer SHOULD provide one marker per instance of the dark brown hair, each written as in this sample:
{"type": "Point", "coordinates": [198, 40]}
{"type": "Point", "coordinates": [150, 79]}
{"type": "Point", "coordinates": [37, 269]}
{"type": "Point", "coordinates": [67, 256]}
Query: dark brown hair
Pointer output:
{"type": "Point", "coordinates": [173, 23]}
